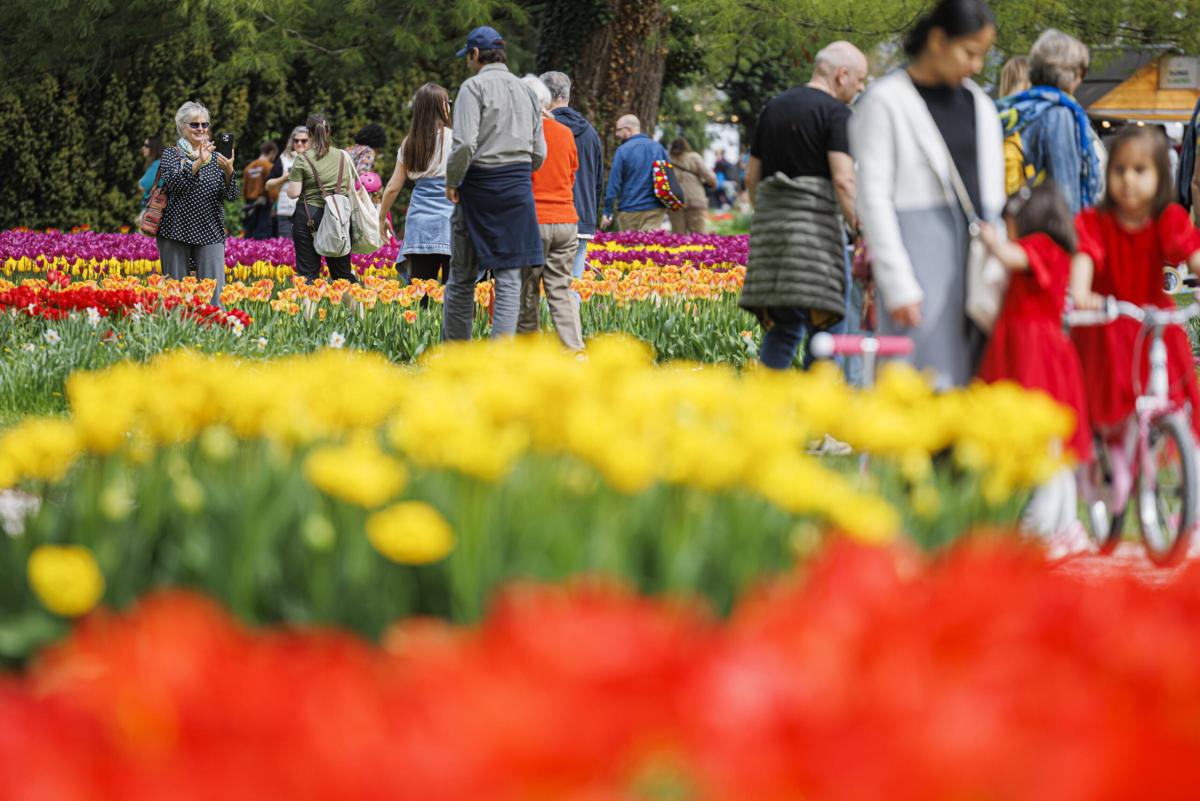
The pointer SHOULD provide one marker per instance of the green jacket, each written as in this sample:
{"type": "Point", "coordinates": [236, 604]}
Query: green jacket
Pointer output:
{"type": "Point", "coordinates": [797, 250]}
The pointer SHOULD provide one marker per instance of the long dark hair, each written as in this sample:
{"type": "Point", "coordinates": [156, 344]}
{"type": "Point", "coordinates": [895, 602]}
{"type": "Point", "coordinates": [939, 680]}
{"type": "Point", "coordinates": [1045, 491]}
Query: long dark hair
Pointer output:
{"type": "Point", "coordinates": [1042, 209]}
{"type": "Point", "coordinates": [680, 146]}
{"type": "Point", "coordinates": [318, 134]}
{"type": "Point", "coordinates": [955, 17]}
{"type": "Point", "coordinates": [1157, 143]}
{"type": "Point", "coordinates": [431, 116]}
{"type": "Point", "coordinates": [156, 148]}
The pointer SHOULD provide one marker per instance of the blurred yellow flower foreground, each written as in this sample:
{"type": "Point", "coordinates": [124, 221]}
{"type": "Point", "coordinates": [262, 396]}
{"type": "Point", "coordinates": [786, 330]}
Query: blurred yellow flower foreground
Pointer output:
{"type": "Point", "coordinates": [479, 408]}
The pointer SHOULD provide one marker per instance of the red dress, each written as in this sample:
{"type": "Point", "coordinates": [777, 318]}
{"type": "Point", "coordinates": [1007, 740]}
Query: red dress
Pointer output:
{"type": "Point", "coordinates": [1028, 345]}
{"type": "Point", "coordinates": [1129, 266]}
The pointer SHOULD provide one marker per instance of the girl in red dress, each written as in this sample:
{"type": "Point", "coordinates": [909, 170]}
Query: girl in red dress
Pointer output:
{"type": "Point", "coordinates": [1028, 345]}
{"type": "Point", "coordinates": [1127, 240]}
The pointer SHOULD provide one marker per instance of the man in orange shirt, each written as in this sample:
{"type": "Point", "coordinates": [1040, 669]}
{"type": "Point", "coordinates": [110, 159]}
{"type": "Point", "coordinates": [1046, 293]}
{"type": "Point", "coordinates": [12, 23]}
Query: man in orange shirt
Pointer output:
{"type": "Point", "coordinates": [256, 214]}
{"type": "Point", "coordinates": [554, 197]}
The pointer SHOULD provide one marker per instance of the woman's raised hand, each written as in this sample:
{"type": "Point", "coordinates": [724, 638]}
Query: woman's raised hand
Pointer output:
{"type": "Point", "coordinates": [203, 155]}
{"type": "Point", "coordinates": [226, 164]}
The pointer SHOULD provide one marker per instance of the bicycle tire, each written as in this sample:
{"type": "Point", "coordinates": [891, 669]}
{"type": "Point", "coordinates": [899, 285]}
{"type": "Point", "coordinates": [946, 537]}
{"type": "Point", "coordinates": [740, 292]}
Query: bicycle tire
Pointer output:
{"type": "Point", "coordinates": [1167, 533]}
{"type": "Point", "coordinates": [1104, 524]}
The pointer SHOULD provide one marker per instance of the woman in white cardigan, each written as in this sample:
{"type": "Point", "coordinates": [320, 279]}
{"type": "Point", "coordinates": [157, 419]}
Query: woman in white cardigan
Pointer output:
{"type": "Point", "coordinates": [909, 131]}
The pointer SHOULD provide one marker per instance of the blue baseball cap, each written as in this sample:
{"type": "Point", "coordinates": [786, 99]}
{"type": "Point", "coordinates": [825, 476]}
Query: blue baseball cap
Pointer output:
{"type": "Point", "coordinates": [483, 38]}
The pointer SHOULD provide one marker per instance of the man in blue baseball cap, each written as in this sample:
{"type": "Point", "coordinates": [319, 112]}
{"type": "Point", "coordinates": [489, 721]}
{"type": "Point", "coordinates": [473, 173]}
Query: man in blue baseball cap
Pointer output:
{"type": "Point", "coordinates": [482, 38]}
{"type": "Point", "coordinates": [497, 145]}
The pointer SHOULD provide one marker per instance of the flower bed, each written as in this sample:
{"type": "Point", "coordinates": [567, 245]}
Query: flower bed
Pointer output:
{"type": "Point", "coordinates": [257, 481]}
{"type": "Point", "coordinates": [980, 675]}
{"type": "Point", "coordinates": [686, 311]}
{"type": "Point", "coordinates": [90, 255]}
{"type": "Point", "coordinates": [95, 304]}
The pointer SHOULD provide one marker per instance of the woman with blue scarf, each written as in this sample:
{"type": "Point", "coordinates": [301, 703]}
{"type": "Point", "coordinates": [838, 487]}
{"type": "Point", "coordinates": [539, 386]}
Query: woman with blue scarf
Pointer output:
{"type": "Point", "coordinates": [1055, 134]}
{"type": "Point", "coordinates": [422, 157]}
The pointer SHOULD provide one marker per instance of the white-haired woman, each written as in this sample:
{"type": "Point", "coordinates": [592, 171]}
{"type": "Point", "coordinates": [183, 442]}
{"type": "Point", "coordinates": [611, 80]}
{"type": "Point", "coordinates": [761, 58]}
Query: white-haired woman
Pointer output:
{"type": "Point", "coordinates": [1057, 138]}
{"type": "Point", "coordinates": [558, 223]}
{"type": "Point", "coordinates": [285, 206]}
{"type": "Point", "coordinates": [198, 182]}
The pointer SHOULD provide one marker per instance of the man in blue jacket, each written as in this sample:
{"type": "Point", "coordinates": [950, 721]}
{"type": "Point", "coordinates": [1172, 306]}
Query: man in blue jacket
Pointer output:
{"type": "Point", "coordinates": [589, 180]}
{"type": "Point", "coordinates": [631, 180]}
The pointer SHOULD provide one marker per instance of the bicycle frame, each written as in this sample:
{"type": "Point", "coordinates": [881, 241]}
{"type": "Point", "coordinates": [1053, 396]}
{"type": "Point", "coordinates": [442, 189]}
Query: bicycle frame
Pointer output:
{"type": "Point", "coordinates": [1152, 404]}
{"type": "Point", "coordinates": [826, 346]}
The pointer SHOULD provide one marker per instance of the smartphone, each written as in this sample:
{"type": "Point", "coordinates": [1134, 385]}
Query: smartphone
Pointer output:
{"type": "Point", "coordinates": [225, 144]}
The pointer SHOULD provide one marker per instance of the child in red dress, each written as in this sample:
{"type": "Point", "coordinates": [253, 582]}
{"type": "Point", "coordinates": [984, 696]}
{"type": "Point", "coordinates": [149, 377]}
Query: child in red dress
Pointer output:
{"type": "Point", "coordinates": [1028, 345]}
{"type": "Point", "coordinates": [1127, 240]}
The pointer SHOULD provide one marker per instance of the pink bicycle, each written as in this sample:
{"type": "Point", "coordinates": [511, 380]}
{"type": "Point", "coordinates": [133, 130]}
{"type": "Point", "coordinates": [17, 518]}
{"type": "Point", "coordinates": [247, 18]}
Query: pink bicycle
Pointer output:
{"type": "Point", "coordinates": [1161, 459]}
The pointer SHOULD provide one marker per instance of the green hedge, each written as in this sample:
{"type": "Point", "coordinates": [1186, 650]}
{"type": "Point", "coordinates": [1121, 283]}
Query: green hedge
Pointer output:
{"type": "Point", "coordinates": [72, 153]}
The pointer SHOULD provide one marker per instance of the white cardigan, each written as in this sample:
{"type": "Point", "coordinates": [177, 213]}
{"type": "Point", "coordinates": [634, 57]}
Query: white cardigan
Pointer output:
{"type": "Point", "coordinates": [899, 174]}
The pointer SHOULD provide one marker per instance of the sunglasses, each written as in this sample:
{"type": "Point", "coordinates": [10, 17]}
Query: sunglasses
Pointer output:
{"type": "Point", "coordinates": [198, 126]}
{"type": "Point", "coordinates": [300, 141]}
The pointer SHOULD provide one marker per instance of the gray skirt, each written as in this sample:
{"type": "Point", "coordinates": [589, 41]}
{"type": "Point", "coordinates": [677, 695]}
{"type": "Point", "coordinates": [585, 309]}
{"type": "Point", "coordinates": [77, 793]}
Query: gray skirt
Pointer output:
{"type": "Point", "coordinates": [946, 344]}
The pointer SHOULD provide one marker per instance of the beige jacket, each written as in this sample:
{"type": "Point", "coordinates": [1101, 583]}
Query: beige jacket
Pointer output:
{"type": "Point", "coordinates": [693, 174]}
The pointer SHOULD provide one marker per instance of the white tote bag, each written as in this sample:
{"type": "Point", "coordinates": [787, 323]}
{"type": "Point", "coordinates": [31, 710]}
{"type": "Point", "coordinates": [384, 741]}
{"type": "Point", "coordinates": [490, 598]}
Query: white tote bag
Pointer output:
{"type": "Point", "coordinates": [332, 237]}
{"type": "Point", "coordinates": [987, 280]}
{"type": "Point", "coordinates": [365, 236]}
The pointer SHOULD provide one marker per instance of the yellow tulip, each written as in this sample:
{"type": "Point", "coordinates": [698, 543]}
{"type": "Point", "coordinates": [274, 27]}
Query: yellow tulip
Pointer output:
{"type": "Point", "coordinates": [66, 579]}
{"type": "Point", "coordinates": [410, 533]}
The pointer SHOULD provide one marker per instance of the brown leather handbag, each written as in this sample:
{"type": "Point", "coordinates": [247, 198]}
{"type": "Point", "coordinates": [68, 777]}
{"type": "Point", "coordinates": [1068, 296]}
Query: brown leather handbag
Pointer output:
{"type": "Point", "coordinates": [151, 216]}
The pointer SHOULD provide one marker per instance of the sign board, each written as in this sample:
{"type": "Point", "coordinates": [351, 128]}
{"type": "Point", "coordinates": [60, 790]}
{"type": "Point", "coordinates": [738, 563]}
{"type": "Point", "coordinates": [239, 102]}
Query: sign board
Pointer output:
{"type": "Point", "coordinates": [1179, 72]}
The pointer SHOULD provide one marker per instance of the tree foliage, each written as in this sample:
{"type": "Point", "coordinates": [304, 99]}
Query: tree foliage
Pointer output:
{"type": "Point", "coordinates": [75, 114]}
{"type": "Point", "coordinates": [83, 82]}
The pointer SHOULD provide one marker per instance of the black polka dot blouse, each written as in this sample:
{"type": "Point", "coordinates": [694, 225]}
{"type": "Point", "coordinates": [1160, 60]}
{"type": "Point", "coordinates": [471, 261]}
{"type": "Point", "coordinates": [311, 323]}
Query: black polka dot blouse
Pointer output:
{"type": "Point", "coordinates": [195, 212]}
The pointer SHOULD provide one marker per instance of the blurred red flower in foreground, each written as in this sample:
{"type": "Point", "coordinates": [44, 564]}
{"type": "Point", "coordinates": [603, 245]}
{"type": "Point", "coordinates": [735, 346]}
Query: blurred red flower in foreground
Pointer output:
{"type": "Point", "coordinates": [983, 674]}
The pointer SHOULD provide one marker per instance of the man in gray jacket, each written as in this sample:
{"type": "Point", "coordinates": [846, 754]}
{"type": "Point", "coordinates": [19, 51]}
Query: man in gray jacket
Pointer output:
{"type": "Point", "coordinates": [497, 145]}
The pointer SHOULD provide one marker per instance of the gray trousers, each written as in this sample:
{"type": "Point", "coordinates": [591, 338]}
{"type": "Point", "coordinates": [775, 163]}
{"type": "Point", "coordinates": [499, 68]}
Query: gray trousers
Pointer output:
{"type": "Point", "coordinates": [458, 301]}
{"type": "Point", "coordinates": [559, 243]}
{"type": "Point", "coordinates": [209, 260]}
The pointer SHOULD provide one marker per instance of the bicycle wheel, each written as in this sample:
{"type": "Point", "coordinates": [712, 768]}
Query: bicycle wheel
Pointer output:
{"type": "Point", "coordinates": [1166, 492]}
{"type": "Point", "coordinates": [1105, 522]}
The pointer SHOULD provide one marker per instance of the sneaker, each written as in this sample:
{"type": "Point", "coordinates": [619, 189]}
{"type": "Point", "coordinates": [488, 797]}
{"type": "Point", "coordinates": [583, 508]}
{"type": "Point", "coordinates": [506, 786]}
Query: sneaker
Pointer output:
{"type": "Point", "coordinates": [829, 446]}
{"type": "Point", "coordinates": [1070, 541]}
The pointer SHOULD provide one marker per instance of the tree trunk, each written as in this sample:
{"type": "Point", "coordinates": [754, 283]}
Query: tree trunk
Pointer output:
{"type": "Point", "coordinates": [618, 67]}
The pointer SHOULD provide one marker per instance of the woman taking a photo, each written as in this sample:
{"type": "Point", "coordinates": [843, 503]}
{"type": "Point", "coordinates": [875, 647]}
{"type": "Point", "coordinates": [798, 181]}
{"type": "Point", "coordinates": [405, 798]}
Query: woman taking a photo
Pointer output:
{"type": "Point", "coordinates": [422, 157]}
{"type": "Point", "coordinates": [916, 134]}
{"type": "Point", "coordinates": [315, 170]}
{"type": "Point", "coordinates": [198, 181]}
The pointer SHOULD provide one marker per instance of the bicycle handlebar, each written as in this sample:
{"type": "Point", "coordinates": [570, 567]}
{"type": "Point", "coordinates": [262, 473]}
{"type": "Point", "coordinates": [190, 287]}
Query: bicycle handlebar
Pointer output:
{"type": "Point", "coordinates": [1152, 316]}
{"type": "Point", "coordinates": [826, 345]}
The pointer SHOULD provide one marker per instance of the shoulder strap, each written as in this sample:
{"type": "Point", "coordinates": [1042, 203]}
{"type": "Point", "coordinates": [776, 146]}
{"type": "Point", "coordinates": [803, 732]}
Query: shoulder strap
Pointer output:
{"type": "Point", "coordinates": [316, 176]}
{"type": "Point", "coordinates": [158, 172]}
{"type": "Point", "coordinates": [353, 173]}
{"type": "Point", "coordinates": [313, 169]}
{"type": "Point", "coordinates": [956, 182]}
{"type": "Point", "coordinates": [960, 189]}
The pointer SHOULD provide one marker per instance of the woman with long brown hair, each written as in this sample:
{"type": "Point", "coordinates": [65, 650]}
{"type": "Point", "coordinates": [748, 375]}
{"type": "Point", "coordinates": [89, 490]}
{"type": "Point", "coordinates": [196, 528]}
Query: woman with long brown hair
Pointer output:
{"type": "Point", "coordinates": [422, 157]}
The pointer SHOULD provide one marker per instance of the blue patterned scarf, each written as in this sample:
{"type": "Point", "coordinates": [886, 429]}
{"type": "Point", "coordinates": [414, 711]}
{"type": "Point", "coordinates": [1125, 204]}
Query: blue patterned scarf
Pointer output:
{"type": "Point", "coordinates": [1019, 110]}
